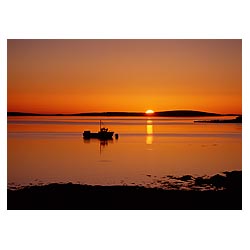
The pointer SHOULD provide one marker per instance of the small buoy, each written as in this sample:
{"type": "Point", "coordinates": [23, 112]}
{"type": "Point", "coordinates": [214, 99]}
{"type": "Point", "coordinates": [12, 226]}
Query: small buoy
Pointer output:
{"type": "Point", "coordinates": [116, 136]}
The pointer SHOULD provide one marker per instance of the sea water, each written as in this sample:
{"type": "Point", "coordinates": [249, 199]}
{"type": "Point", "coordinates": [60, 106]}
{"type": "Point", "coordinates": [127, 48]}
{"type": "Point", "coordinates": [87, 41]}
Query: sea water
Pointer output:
{"type": "Point", "coordinates": [49, 149]}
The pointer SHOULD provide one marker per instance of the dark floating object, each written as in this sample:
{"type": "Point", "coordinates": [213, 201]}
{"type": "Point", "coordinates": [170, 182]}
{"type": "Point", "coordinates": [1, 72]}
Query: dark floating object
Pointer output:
{"type": "Point", "coordinates": [103, 134]}
{"type": "Point", "coordinates": [116, 136]}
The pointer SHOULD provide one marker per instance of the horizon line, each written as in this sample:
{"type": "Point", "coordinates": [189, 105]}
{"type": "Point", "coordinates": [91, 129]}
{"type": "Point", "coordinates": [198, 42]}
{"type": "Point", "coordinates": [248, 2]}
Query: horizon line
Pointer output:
{"type": "Point", "coordinates": [123, 112]}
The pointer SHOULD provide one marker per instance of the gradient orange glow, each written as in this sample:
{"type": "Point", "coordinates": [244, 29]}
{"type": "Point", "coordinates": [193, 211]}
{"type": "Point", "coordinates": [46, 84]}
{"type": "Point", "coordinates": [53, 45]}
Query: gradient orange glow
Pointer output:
{"type": "Point", "coordinates": [71, 76]}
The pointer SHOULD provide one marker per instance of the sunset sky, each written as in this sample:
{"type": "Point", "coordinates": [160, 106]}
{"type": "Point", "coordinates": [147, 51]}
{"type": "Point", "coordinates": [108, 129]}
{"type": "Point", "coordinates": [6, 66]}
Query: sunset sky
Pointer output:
{"type": "Point", "coordinates": [71, 76]}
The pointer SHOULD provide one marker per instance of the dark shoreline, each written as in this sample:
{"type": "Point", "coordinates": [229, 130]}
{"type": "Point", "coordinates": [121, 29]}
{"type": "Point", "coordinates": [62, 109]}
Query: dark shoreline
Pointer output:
{"type": "Point", "coordinates": [170, 113]}
{"type": "Point", "coordinates": [236, 120]}
{"type": "Point", "coordinates": [227, 195]}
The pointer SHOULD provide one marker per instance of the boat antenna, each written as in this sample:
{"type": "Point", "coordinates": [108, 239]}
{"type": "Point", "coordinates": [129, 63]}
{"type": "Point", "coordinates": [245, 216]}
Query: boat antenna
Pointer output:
{"type": "Point", "coordinates": [100, 124]}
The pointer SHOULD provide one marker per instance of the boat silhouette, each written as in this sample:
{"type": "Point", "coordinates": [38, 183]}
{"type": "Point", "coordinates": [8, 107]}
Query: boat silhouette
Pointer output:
{"type": "Point", "coordinates": [103, 134]}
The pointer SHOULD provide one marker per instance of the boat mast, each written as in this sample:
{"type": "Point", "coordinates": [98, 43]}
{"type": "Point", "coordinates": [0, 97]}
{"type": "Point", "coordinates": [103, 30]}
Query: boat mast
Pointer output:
{"type": "Point", "coordinates": [100, 124]}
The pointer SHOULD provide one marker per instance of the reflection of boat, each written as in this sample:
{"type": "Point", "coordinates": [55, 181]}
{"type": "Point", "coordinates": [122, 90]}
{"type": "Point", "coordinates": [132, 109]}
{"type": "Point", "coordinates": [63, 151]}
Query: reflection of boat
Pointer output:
{"type": "Point", "coordinates": [103, 134]}
{"type": "Point", "coordinates": [103, 142]}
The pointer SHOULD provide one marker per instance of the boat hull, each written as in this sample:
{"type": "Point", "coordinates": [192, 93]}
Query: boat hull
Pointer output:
{"type": "Point", "coordinates": [99, 135]}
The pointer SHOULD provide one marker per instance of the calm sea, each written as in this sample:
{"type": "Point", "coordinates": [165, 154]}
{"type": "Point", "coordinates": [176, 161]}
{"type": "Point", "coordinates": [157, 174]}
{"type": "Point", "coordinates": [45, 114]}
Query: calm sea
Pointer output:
{"type": "Point", "coordinates": [51, 149]}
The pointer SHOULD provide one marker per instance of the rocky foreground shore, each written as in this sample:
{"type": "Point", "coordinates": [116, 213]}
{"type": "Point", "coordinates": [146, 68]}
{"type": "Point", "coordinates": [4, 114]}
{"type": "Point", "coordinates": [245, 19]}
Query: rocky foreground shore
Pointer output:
{"type": "Point", "coordinates": [225, 192]}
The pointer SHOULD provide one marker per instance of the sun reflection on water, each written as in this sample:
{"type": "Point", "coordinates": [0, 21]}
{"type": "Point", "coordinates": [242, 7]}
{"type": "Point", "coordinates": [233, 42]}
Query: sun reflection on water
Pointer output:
{"type": "Point", "coordinates": [149, 138]}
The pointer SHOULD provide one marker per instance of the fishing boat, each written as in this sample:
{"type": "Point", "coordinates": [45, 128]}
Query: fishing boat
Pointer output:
{"type": "Point", "coordinates": [103, 134]}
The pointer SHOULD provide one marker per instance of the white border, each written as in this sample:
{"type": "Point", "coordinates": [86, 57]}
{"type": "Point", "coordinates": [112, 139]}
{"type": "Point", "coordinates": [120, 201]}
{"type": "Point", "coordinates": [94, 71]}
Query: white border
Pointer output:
{"type": "Point", "coordinates": [124, 229]}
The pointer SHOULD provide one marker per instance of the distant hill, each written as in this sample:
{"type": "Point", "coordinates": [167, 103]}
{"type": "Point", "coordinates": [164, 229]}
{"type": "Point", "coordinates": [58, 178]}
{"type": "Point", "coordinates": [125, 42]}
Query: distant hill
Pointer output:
{"type": "Point", "coordinates": [79, 114]}
{"type": "Point", "coordinates": [112, 114]}
{"type": "Point", "coordinates": [185, 113]}
{"type": "Point", "coordinates": [30, 114]}
{"type": "Point", "coordinates": [172, 113]}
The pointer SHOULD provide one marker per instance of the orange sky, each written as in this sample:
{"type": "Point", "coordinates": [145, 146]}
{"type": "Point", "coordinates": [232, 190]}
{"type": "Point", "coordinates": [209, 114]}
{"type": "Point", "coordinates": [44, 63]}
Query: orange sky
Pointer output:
{"type": "Point", "coordinates": [71, 76]}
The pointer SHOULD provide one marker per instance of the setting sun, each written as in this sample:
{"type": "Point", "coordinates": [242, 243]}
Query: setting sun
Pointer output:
{"type": "Point", "coordinates": [149, 111]}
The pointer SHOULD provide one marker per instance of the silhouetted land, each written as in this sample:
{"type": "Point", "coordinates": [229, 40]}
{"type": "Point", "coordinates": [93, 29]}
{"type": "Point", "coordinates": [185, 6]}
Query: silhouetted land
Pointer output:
{"type": "Point", "coordinates": [172, 113]}
{"type": "Point", "coordinates": [226, 194]}
{"type": "Point", "coordinates": [236, 120]}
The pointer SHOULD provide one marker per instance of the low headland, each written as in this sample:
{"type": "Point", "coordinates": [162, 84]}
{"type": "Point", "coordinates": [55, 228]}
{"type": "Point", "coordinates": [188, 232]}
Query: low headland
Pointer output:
{"type": "Point", "coordinates": [221, 191]}
{"type": "Point", "coordinates": [238, 119]}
